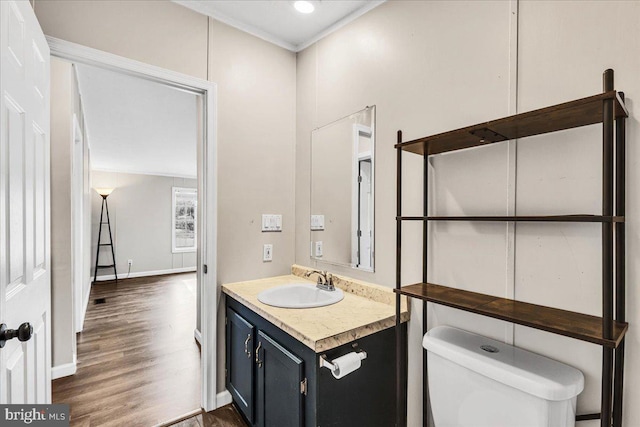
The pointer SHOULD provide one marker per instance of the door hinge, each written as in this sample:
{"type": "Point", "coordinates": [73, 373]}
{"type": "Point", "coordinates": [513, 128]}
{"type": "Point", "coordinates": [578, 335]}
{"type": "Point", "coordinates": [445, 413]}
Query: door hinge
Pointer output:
{"type": "Point", "coordinates": [204, 268]}
{"type": "Point", "coordinates": [359, 178]}
{"type": "Point", "coordinates": [303, 387]}
{"type": "Point", "coordinates": [226, 373]}
{"type": "Point", "coordinates": [226, 321]}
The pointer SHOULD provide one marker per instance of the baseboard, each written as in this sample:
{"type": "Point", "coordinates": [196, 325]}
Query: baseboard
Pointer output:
{"type": "Point", "coordinates": [147, 273]}
{"type": "Point", "coordinates": [223, 398]}
{"type": "Point", "coordinates": [198, 336]}
{"type": "Point", "coordinates": [65, 370]}
{"type": "Point", "coordinates": [181, 418]}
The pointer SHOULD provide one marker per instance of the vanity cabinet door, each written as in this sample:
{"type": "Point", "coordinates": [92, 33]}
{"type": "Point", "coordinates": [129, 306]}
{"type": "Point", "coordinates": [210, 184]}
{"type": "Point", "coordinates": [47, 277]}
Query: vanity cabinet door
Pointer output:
{"type": "Point", "coordinates": [280, 394]}
{"type": "Point", "coordinates": [240, 362]}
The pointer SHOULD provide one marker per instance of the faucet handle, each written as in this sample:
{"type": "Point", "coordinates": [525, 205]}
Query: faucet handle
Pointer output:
{"type": "Point", "coordinates": [329, 281]}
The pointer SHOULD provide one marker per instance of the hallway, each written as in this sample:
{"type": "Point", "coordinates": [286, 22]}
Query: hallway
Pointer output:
{"type": "Point", "coordinates": [138, 361]}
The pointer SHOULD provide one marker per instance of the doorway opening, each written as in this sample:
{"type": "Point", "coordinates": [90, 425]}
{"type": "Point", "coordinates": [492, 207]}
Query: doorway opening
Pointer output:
{"type": "Point", "coordinates": [152, 316]}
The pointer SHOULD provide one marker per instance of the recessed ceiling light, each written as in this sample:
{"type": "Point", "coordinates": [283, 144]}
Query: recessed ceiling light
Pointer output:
{"type": "Point", "coordinates": [304, 6]}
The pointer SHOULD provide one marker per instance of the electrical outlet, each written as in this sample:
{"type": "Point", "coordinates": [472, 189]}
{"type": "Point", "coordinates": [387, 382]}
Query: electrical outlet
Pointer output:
{"type": "Point", "coordinates": [318, 249]}
{"type": "Point", "coordinates": [267, 252]}
{"type": "Point", "coordinates": [130, 262]}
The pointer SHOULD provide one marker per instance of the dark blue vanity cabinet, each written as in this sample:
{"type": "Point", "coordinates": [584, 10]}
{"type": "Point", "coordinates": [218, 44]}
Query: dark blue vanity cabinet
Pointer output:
{"type": "Point", "coordinates": [280, 385]}
{"type": "Point", "coordinates": [240, 359]}
{"type": "Point", "coordinates": [276, 381]}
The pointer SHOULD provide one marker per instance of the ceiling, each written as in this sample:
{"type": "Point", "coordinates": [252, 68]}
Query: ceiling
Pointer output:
{"type": "Point", "coordinates": [278, 22]}
{"type": "Point", "coordinates": [138, 126]}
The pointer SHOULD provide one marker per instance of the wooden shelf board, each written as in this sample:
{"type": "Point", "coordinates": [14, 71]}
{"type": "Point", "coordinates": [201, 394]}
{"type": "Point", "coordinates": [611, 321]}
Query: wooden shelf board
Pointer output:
{"type": "Point", "coordinates": [519, 218]}
{"type": "Point", "coordinates": [581, 112]}
{"type": "Point", "coordinates": [580, 326]}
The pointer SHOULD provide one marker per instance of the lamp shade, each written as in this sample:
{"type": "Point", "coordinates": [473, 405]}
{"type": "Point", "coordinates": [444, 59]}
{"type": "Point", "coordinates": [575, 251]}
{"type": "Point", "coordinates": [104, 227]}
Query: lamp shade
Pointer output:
{"type": "Point", "coordinates": [104, 192]}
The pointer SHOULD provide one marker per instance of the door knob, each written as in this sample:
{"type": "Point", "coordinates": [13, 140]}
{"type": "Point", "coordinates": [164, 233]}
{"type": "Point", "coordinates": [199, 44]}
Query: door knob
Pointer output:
{"type": "Point", "coordinates": [23, 333]}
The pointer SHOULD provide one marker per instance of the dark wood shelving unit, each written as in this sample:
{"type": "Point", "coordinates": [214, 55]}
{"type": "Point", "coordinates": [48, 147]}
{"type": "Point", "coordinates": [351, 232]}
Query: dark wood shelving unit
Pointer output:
{"type": "Point", "coordinates": [580, 326]}
{"type": "Point", "coordinates": [525, 218]}
{"type": "Point", "coordinates": [608, 330]}
{"type": "Point", "coordinates": [573, 114]}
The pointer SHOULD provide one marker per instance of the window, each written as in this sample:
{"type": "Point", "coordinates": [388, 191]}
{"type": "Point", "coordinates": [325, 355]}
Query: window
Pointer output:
{"type": "Point", "coordinates": [184, 206]}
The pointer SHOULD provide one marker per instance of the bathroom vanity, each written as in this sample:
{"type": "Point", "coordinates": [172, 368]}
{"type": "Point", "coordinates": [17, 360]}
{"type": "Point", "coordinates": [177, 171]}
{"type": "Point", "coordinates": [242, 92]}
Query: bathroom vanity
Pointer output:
{"type": "Point", "coordinates": [273, 356]}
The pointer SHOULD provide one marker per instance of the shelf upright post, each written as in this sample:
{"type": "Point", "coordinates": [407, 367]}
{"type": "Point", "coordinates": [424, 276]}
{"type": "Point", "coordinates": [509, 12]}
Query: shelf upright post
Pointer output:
{"type": "Point", "coordinates": [607, 249]}
{"type": "Point", "coordinates": [400, 353]}
{"type": "Point", "coordinates": [425, 263]}
{"type": "Point", "coordinates": [620, 266]}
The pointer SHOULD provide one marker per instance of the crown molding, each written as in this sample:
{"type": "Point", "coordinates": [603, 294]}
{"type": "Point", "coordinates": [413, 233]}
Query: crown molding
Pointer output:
{"type": "Point", "coordinates": [195, 6]}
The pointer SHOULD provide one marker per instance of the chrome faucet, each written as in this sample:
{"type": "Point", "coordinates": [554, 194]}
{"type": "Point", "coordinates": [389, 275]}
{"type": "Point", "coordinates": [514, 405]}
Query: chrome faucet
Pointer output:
{"type": "Point", "coordinates": [325, 280]}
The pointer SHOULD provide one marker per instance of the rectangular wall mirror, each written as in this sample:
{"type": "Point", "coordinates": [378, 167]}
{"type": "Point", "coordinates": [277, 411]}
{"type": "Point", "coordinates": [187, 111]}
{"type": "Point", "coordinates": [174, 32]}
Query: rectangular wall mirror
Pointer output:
{"type": "Point", "coordinates": [342, 191]}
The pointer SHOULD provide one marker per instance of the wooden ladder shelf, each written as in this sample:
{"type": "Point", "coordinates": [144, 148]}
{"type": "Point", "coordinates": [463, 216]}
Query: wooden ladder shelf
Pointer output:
{"type": "Point", "coordinates": [608, 330]}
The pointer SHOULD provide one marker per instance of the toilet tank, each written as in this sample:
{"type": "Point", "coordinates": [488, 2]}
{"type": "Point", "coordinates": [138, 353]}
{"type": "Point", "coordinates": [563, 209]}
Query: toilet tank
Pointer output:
{"type": "Point", "coordinates": [479, 382]}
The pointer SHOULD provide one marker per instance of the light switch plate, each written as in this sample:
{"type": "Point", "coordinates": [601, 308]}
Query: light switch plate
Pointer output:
{"type": "Point", "coordinates": [271, 222]}
{"type": "Point", "coordinates": [267, 252]}
{"type": "Point", "coordinates": [317, 222]}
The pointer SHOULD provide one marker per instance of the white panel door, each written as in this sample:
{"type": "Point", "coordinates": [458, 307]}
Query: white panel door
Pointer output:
{"type": "Point", "coordinates": [25, 277]}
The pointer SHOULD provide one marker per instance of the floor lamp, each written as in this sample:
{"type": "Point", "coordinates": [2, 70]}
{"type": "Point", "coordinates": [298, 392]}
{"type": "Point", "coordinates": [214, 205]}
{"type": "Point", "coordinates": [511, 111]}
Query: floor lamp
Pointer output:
{"type": "Point", "coordinates": [104, 192]}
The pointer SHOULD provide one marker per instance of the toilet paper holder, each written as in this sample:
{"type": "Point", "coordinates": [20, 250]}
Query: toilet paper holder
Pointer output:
{"type": "Point", "coordinates": [324, 362]}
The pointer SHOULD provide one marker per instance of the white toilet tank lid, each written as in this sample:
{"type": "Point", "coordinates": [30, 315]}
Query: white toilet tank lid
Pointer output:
{"type": "Point", "coordinates": [521, 369]}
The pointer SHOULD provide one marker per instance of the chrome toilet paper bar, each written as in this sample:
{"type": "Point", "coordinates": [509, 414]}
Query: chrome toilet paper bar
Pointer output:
{"type": "Point", "coordinates": [324, 362]}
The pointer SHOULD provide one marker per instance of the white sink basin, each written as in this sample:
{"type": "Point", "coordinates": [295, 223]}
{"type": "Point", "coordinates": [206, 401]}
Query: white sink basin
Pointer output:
{"type": "Point", "coordinates": [299, 295]}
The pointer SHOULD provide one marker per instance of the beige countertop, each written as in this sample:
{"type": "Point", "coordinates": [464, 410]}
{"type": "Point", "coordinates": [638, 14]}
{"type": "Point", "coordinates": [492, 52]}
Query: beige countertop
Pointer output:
{"type": "Point", "coordinates": [365, 309]}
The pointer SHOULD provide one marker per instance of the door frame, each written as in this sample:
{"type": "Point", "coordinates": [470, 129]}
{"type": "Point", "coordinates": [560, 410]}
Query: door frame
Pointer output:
{"type": "Point", "coordinates": [77, 232]}
{"type": "Point", "coordinates": [358, 131]}
{"type": "Point", "coordinates": [207, 192]}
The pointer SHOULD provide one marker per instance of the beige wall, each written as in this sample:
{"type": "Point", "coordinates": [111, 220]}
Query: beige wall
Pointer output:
{"type": "Point", "coordinates": [429, 67]}
{"type": "Point", "coordinates": [256, 113]}
{"type": "Point", "coordinates": [435, 66]}
{"type": "Point", "coordinates": [561, 57]}
{"type": "Point", "coordinates": [256, 128]}
{"type": "Point", "coordinates": [256, 161]}
{"type": "Point", "coordinates": [140, 214]}
{"type": "Point", "coordinates": [156, 32]}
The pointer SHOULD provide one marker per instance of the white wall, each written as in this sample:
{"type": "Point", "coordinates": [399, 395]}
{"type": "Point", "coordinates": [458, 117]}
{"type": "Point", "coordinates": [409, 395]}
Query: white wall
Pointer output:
{"type": "Point", "coordinates": [65, 105]}
{"type": "Point", "coordinates": [435, 66]}
{"type": "Point", "coordinates": [141, 216]}
{"type": "Point", "coordinates": [62, 326]}
{"type": "Point", "coordinates": [80, 207]}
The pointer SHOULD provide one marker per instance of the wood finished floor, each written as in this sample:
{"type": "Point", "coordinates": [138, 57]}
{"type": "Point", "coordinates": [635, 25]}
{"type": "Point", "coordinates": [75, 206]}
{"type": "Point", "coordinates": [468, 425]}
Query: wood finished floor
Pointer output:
{"type": "Point", "coordinates": [138, 363]}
